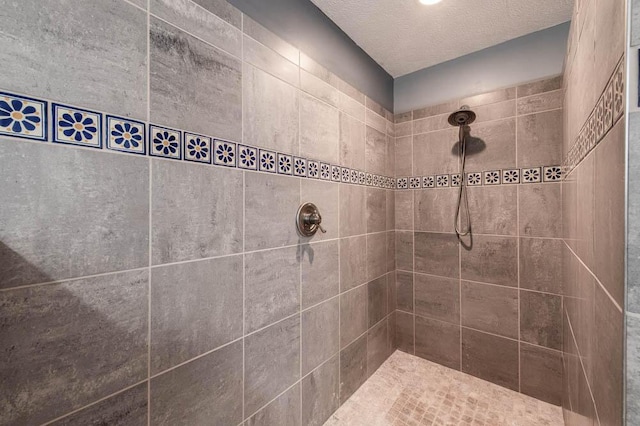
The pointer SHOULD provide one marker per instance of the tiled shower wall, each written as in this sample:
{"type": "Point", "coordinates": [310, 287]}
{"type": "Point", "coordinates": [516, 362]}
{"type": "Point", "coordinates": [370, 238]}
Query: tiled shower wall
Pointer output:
{"type": "Point", "coordinates": [491, 305]}
{"type": "Point", "coordinates": [140, 290]}
{"type": "Point", "coordinates": [593, 214]}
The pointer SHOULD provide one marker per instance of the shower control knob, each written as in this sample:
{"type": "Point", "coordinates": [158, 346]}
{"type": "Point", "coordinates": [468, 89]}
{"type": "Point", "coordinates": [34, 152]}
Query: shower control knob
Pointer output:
{"type": "Point", "coordinates": [309, 220]}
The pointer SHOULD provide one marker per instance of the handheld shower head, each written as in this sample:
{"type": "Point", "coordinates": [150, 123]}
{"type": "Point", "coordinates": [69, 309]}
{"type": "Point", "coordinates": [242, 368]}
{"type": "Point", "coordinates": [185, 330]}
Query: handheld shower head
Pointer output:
{"type": "Point", "coordinates": [463, 117]}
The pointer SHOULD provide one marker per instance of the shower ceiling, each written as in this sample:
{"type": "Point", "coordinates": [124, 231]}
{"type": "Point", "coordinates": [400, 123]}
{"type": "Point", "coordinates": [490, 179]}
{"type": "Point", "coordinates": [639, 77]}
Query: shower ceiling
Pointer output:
{"type": "Point", "coordinates": [404, 36]}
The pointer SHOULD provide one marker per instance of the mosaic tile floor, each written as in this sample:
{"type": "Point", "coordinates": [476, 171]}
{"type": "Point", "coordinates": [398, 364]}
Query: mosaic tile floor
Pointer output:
{"type": "Point", "coordinates": [408, 390]}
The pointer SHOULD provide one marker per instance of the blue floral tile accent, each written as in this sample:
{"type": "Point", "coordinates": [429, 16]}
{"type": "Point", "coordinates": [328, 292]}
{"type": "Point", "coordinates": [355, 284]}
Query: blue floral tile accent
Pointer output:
{"type": "Point", "coordinates": [164, 142]}
{"type": "Point", "coordinates": [23, 117]}
{"type": "Point", "coordinates": [75, 126]}
{"type": "Point", "coordinates": [285, 164]}
{"type": "Point", "coordinates": [335, 173]}
{"type": "Point", "coordinates": [442, 181]}
{"type": "Point", "coordinates": [247, 157]}
{"type": "Point", "coordinates": [492, 177]}
{"type": "Point", "coordinates": [511, 176]}
{"type": "Point", "coordinates": [126, 135]}
{"type": "Point", "coordinates": [325, 171]}
{"type": "Point", "coordinates": [369, 179]}
{"type": "Point", "coordinates": [531, 175]}
{"type": "Point", "coordinates": [428, 182]}
{"type": "Point", "coordinates": [456, 179]}
{"type": "Point", "coordinates": [299, 167]}
{"type": "Point", "coordinates": [224, 153]}
{"type": "Point", "coordinates": [313, 169]}
{"type": "Point", "coordinates": [414, 182]}
{"type": "Point", "coordinates": [362, 179]}
{"type": "Point", "coordinates": [344, 175]}
{"type": "Point", "coordinates": [197, 148]}
{"type": "Point", "coordinates": [402, 183]}
{"type": "Point", "coordinates": [267, 161]}
{"type": "Point", "coordinates": [474, 179]}
{"type": "Point", "coordinates": [552, 174]}
{"type": "Point", "coordinates": [354, 176]}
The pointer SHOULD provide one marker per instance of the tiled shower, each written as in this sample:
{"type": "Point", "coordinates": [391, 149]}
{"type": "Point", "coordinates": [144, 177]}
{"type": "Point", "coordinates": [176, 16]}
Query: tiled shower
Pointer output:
{"type": "Point", "coordinates": [154, 154]}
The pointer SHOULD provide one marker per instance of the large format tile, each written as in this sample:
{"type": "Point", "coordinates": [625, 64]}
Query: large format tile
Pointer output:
{"type": "Point", "coordinates": [438, 341]}
{"type": "Point", "coordinates": [541, 264]}
{"type": "Point", "coordinates": [542, 101]}
{"type": "Point", "coordinates": [320, 334]}
{"type": "Point", "coordinates": [404, 332]}
{"type": "Point", "coordinates": [492, 209]}
{"type": "Point", "coordinates": [490, 308]}
{"type": "Point", "coordinates": [284, 410]}
{"type": "Point", "coordinates": [352, 137]}
{"type": "Point", "coordinates": [319, 129]}
{"type": "Point", "coordinates": [404, 250]}
{"type": "Point", "coordinates": [437, 254]}
{"type": "Point", "coordinates": [377, 299]}
{"type": "Point", "coordinates": [435, 211]}
{"type": "Point", "coordinates": [272, 286]}
{"type": "Point", "coordinates": [320, 272]}
{"type": "Point", "coordinates": [541, 373]}
{"type": "Point", "coordinates": [102, 350]}
{"type": "Point", "coordinates": [193, 218]}
{"type": "Point", "coordinates": [66, 213]}
{"type": "Point", "coordinates": [610, 211]}
{"type": "Point", "coordinates": [404, 156]}
{"type": "Point", "coordinates": [492, 146]}
{"type": "Point", "coordinates": [195, 307]}
{"type": "Point", "coordinates": [378, 346]}
{"type": "Point", "coordinates": [128, 408]}
{"type": "Point", "coordinates": [205, 390]}
{"type": "Point", "coordinates": [352, 206]}
{"type": "Point", "coordinates": [353, 367]}
{"type": "Point", "coordinates": [353, 314]}
{"type": "Point", "coordinates": [540, 210]}
{"type": "Point", "coordinates": [404, 291]}
{"type": "Point", "coordinates": [194, 86]}
{"type": "Point", "coordinates": [404, 210]}
{"type": "Point", "coordinates": [437, 298]}
{"type": "Point", "coordinates": [376, 255]}
{"type": "Point", "coordinates": [375, 151]}
{"type": "Point", "coordinates": [633, 203]}
{"type": "Point", "coordinates": [269, 39]}
{"type": "Point", "coordinates": [276, 215]}
{"type": "Point", "coordinates": [272, 363]}
{"type": "Point", "coordinates": [487, 98]}
{"type": "Point", "coordinates": [317, 87]}
{"type": "Point", "coordinates": [55, 50]}
{"type": "Point", "coordinates": [539, 86]}
{"type": "Point", "coordinates": [490, 358]}
{"type": "Point", "coordinates": [320, 391]}
{"type": "Point", "coordinates": [223, 10]}
{"type": "Point", "coordinates": [200, 22]}
{"type": "Point", "coordinates": [540, 139]}
{"type": "Point", "coordinates": [270, 117]}
{"type": "Point", "coordinates": [435, 153]}
{"type": "Point", "coordinates": [353, 262]}
{"type": "Point", "coordinates": [491, 260]}
{"type": "Point", "coordinates": [266, 59]}
{"type": "Point", "coordinates": [376, 213]}
{"type": "Point", "coordinates": [541, 319]}
{"type": "Point", "coordinates": [632, 390]}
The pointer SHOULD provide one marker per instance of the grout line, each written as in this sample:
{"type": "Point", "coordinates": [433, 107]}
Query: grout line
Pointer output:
{"type": "Point", "coordinates": [244, 226]}
{"type": "Point", "coordinates": [150, 235]}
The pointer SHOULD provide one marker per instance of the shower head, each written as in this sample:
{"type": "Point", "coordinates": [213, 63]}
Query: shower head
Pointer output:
{"type": "Point", "coordinates": [464, 116]}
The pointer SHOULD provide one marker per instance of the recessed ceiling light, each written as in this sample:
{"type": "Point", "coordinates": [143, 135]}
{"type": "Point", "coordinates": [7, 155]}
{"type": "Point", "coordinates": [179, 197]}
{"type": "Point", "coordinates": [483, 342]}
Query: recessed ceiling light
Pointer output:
{"type": "Point", "coordinates": [430, 1]}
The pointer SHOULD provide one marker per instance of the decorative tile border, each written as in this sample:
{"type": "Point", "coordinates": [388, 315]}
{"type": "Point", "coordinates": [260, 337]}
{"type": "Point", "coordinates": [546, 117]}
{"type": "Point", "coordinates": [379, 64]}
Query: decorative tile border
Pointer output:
{"type": "Point", "coordinates": [606, 113]}
{"type": "Point", "coordinates": [25, 117]}
{"type": "Point", "coordinates": [485, 178]}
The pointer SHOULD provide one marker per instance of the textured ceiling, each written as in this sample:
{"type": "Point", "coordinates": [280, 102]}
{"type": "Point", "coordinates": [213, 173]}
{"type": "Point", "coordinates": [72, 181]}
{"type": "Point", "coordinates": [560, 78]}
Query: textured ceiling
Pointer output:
{"type": "Point", "coordinates": [404, 36]}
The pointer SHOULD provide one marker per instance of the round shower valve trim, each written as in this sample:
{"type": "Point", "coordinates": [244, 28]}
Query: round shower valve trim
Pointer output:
{"type": "Point", "coordinates": [309, 220]}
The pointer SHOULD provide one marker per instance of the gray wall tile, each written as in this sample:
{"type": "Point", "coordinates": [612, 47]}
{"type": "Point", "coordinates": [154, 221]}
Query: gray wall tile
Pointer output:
{"type": "Point", "coordinates": [539, 209]}
{"type": "Point", "coordinates": [404, 210]}
{"type": "Point", "coordinates": [353, 262]}
{"type": "Point", "coordinates": [126, 408]}
{"type": "Point", "coordinates": [404, 155]}
{"type": "Point", "coordinates": [205, 390]}
{"type": "Point", "coordinates": [107, 63]}
{"type": "Point", "coordinates": [435, 210]}
{"type": "Point", "coordinates": [194, 85]}
{"type": "Point", "coordinates": [492, 209]}
{"type": "Point", "coordinates": [404, 250]}
{"type": "Point", "coordinates": [270, 117]}
{"type": "Point", "coordinates": [377, 299]}
{"type": "Point", "coordinates": [491, 260]}
{"type": "Point", "coordinates": [492, 146]}
{"type": "Point", "coordinates": [94, 223]}
{"type": "Point", "coordinates": [277, 214]}
{"type": "Point", "coordinates": [404, 332]}
{"type": "Point", "coordinates": [541, 264]}
{"type": "Point", "coordinates": [438, 341]}
{"type": "Point", "coordinates": [320, 391]}
{"type": "Point", "coordinates": [352, 206]}
{"type": "Point", "coordinates": [633, 370]}
{"type": "Point", "coordinates": [541, 102]}
{"type": "Point", "coordinates": [320, 272]}
{"type": "Point", "coordinates": [490, 308]}
{"type": "Point", "coordinates": [193, 218]}
{"type": "Point", "coordinates": [375, 151]}
{"type": "Point", "coordinates": [352, 137]}
{"type": "Point", "coordinates": [284, 410]}
{"type": "Point", "coordinates": [541, 319]}
{"type": "Point", "coordinates": [539, 86]}
{"type": "Point", "coordinates": [224, 10]}
{"type": "Point", "coordinates": [404, 291]}
{"type": "Point", "coordinates": [268, 60]}
{"type": "Point", "coordinates": [101, 351]}
{"type": "Point", "coordinates": [541, 373]}
{"type": "Point", "coordinates": [269, 39]}
{"type": "Point", "coordinates": [320, 334]}
{"type": "Point", "coordinates": [434, 153]}
{"type": "Point", "coordinates": [490, 358]}
{"type": "Point", "coordinates": [499, 95]}
{"type": "Point", "coordinates": [195, 307]}
{"type": "Point", "coordinates": [376, 211]}
{"type": "Point", "coordinates": [319, 88]}
{"type": "Point", "coordinates": [437, 298]}
{"type": "Point", "coordinates": [437, 254]}
{"type": "Point", "coordinates": [376, 255]}
{"type": "Point", "coordinates": [272, 363]}
{"type": "Point", "coordinates": [272, 286]}
{"type": "Point", "coordinates": [353, 368]}
{"type": "Point", "coordinates": [540, 139]}
{"type": "Point", "coordinates": [353, 314]}
{"type": "Point", "coordinates": [378, 346]}
{"type": "Point", "coordinates": [319, 129]}
{"type": "Point", "coordinates": [200, 22]}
